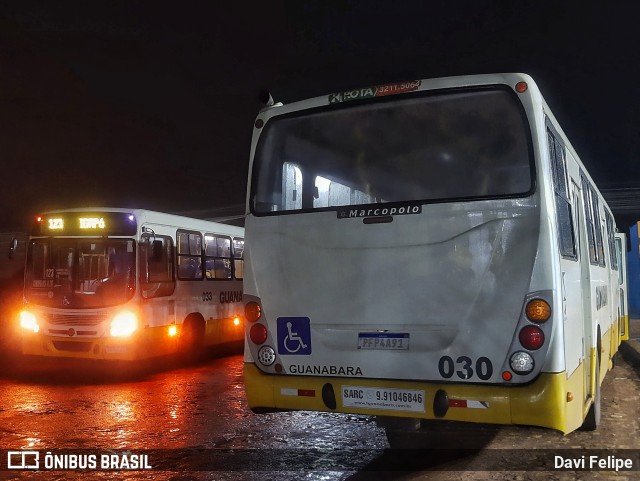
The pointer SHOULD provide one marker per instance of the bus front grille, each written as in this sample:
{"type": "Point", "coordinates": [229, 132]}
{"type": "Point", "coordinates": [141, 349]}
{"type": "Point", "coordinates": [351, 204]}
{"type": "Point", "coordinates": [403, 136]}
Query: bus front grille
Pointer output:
{"type": "Point", "coordinates": [76, 320]}
{"type": "Point", "coordinates": [65, 332]}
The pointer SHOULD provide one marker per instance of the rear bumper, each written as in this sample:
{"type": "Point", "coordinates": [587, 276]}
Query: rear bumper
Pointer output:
{"type": "Point", "coordinates": [541, 403]}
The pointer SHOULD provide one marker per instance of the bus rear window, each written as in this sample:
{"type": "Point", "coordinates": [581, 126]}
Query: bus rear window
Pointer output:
{"type": "Point", "coordinates": [467, 144]}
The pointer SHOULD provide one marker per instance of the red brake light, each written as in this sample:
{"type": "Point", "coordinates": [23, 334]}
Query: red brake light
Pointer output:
{"type": "Point", "coordinates": [531, 337]}
{"type": "Point", "coordinates": [258, 333]}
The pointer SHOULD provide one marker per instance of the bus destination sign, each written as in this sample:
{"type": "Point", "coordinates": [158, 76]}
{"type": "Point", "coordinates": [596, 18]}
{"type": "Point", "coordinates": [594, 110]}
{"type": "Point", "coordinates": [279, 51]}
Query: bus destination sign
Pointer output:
{"type": "Point", "coordinates": [72, 223]}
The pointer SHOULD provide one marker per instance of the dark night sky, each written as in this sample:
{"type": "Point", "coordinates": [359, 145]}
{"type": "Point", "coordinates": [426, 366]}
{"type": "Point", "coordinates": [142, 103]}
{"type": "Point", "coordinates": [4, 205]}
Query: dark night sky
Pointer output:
{"type": "Point", "coordinates": [151, 104]}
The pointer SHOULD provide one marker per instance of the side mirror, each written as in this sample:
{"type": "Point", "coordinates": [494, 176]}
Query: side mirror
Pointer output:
{"type": "Point", "coordinates": [13, 246]}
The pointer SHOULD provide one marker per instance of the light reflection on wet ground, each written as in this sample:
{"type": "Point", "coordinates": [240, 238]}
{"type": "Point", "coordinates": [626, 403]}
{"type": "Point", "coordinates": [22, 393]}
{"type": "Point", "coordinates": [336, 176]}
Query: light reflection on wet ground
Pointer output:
{"type": "Point", "coordinates": [201, 406]}
{"type": "Point", "coordinates": [198, 412]}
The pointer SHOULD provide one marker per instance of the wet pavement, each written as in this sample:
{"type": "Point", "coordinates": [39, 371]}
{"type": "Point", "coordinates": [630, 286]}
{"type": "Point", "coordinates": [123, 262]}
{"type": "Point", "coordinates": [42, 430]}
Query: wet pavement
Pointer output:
{"type": "Point", "coordinates": [193, 424]}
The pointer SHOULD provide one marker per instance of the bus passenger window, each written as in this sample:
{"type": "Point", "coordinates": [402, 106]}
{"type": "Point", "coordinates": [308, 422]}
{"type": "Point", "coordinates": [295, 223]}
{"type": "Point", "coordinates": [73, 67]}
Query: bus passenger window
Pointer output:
{"type": "Point", "coordinates": [189, 255]}
{"type": "Point", "coordinates": [217, 252]}
{"type": "Point", "coordinates": [238, 258]}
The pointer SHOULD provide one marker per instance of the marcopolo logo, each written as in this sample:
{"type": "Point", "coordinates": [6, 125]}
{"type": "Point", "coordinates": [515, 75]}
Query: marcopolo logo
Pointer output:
{"type": "Point", "coordinates": [402, 209]}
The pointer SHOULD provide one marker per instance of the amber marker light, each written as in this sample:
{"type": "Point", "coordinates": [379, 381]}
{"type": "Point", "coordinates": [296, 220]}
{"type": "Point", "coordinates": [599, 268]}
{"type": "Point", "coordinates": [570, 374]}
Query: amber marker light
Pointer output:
{"type": "Point", "coordinates": [252, 311]}
{"type": "Point", "coordinates": [538, 310]}
{"type": "Point", "coordinates": [172, 331]}
{"type": "Point", "coordinates": [236, 321]}
{"type": "Point", "coordinates": [521, 87]}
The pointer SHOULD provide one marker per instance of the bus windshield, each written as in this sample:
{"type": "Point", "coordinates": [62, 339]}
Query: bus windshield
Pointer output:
{"type": "Point", "coordinates": [455, 144]}
{"type": "Point", "coordinates": [80, 273]}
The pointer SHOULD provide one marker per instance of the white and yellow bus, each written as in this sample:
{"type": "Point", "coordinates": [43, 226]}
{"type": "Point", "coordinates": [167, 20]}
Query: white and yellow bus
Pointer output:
{"type": "Point", "coordinates": [428, 250]}
{"type": "Point", "coordinates": [128, 284]}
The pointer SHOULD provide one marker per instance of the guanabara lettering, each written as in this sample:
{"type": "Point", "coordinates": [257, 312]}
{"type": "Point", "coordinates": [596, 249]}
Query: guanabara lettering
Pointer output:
{"type": "Point", "coordinates": [326, 370]}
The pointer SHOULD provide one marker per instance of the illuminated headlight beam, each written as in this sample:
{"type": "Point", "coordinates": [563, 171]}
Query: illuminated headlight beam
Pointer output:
{"type": "Point", "coordinates": [124, 324]}
{"type": "Point", "coordinates": [28, 321]}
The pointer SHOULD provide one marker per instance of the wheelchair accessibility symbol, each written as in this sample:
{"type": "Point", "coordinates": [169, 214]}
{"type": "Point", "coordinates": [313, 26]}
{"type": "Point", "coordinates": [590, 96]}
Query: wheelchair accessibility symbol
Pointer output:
{"type": "Point", "coordinates": [294, 336]}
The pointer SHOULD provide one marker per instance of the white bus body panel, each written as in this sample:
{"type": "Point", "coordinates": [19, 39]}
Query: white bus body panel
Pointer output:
{"type": "Point", "coordinates": [453, 278]}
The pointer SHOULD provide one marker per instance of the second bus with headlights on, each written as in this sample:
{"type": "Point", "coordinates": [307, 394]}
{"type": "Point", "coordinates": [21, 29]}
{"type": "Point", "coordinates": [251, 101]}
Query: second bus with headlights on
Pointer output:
{"type": "Point", "coordinates": [109, 283]}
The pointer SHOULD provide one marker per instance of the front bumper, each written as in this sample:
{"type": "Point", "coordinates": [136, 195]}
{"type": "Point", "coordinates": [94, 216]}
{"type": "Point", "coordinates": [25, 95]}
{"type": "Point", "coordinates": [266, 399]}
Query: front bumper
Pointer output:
{"type": "Point", "coordinates": [147, 343]}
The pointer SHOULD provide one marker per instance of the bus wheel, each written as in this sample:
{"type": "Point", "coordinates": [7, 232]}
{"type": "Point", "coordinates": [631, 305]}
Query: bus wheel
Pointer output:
{"type": "Point", "coordinates": [592, 420]}
{"type": "Point", "coordinates": [428, 434]}
{"type": "Point", "coordinates": [400, 432]}
{"type": "Point", "coordinates": [192, 335]}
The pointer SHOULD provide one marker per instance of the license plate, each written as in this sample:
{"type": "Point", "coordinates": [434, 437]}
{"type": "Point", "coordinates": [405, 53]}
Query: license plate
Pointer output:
{"type": "Point", "coordinates": [383, 398]}
{"type": "Point", "coordinates": [115, 349]}
{"type": "Point", "coordinates": [383, 341]}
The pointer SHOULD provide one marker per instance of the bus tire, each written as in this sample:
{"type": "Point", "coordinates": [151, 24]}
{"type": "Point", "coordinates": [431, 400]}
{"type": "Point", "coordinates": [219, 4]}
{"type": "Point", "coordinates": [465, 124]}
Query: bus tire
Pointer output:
{"type": "Point", "coordinates": [192, 334]}
{"type": "Point", "coordinates": [615, 359]}
{"type": "Point", "coordinates": [592, 420]}
{"type": "Point", "coordinates": [400, 432]}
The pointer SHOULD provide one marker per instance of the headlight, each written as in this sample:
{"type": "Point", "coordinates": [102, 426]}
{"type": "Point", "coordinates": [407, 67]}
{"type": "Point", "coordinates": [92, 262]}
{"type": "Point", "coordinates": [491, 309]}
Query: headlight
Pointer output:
{"type": "Point", "coordinates": [29, 321]}
{"type": "Point", "coordinates": [124, 324]}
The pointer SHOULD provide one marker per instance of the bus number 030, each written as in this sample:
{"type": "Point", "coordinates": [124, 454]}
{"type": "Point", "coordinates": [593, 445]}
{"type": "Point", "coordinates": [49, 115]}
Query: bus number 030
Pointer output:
{"type": "Point", "coordinates": [463, 367]}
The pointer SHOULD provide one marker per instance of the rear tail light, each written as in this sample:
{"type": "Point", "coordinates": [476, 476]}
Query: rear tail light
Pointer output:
{"type": "Point", "coordinates": [529, 345]}
{"type": "Point", "coordinates": [531, 337]}
{"type": "Point", "coordinates": [538, 310]}
{"type": "Point", "coordinates": [258, 333]}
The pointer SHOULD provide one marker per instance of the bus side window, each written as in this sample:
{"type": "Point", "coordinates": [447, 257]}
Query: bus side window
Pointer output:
{"type": "Point", "coordinates": [189, 255]}
{"type": "Point", "coordinates": [588, 209]}
{"type": "Point", "coordinates": [563, 206]}
{"type": "Point", "coordinates": [217, 256]}
{"type": "Point", "coordinates": [238, 257]}
{"type": "Point", "coordinates": [156, 266]}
